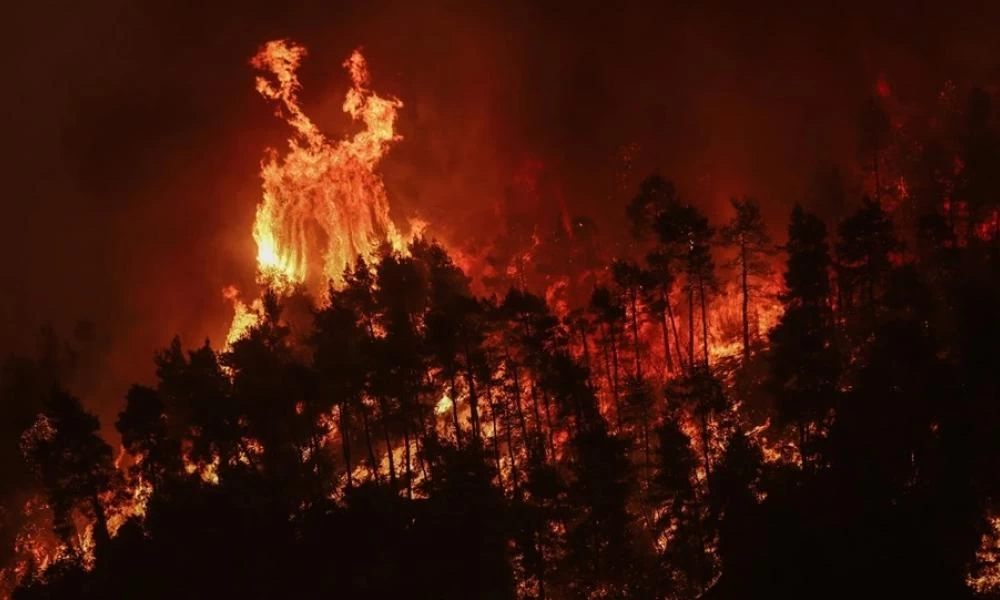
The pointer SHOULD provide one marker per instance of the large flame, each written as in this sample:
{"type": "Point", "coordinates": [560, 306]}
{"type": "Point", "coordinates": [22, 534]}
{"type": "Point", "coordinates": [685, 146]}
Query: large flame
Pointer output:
{"type": "Point", "coordinates": [323, 202]}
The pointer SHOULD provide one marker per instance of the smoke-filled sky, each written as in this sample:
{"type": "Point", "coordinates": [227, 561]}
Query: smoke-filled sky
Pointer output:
{"type": "Point", "coordinates": [133, 134]}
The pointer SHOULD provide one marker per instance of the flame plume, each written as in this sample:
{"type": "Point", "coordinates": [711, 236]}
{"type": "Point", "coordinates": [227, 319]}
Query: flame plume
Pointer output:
{"type": "Point", "coordinates": [323, 202]}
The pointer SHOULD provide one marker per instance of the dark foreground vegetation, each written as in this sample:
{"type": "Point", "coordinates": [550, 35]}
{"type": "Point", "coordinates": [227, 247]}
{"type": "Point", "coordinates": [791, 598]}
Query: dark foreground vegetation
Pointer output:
{"type": "Point", "coordinates": [407, 439]}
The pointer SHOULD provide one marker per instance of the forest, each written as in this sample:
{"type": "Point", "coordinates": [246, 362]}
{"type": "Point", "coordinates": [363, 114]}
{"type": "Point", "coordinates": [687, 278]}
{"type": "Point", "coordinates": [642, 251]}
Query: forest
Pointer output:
{"type": "Point", "coordinates": [405, 437]}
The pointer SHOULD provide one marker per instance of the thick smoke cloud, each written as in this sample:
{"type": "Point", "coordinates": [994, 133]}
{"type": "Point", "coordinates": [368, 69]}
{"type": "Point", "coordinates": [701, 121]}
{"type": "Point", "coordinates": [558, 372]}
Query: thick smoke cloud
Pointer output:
{"type": "Point", "coordinates": [133, 134]}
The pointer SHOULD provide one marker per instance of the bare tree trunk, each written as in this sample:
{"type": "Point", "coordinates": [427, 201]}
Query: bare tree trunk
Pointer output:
{"type": "Point", "coordinates": [669, 362]}
{"type": "Point", "coordinates": [544, 430]}
{"type": "Point", "coordinates": [470, 382]}
{"type": "Point", "coordinates": [677, 337]}
{"type": "Point", "coordinates": [510, 449]}
{"type": "Point", "coordinates": [586, 355]}
{"type": "Point", "coordinates": [704, 318]}
{"type": "Point", "coordinates": [705, 436]}
{"type": "Point", "coordinates": [548, 422]}
{"type": "Point", "coordinates": [878, 183]}
{"type": "Point", "coordinates": [605, 349]}
{"type": "Point", "coordinates": [614, 376]}
{"type": "Point", "coordinates": [635, 333]}
{"type": "Point", "coordinates": [586, 347]}
{"type": "Point", "coordinates": [746, 303]}
{"type": "Point", "coordinates": [420, 456]}
{"type": "Point", "coordinates": [474, 410]}
{"type": "Point", "coordinates": [645, 441]}
{"type": "Point", "coordinates": [454, 410]}
{"type": "Point", "coordinates": [615, 379]}
{"type": "Point", "coordinates": [407, 453]}
{"type": "Point", "coordinates": [372, 462]}
{"type": "Point", "coordinates": [388, 442]}
{"type": "Point", "coordinates": [691, 324]}
{"type": "Point", "coordinates": [496, 431]}
{"type": "Point", "coordinates": [516, 379]}
{"type": "Point", "coordinates": [665, 330]}
{"type": "Point", "coordinates": [345, 442]}
{"type": "Point", "coordinates": [101, 534]}
{"type": "Point", "coordinates": [405, 402]}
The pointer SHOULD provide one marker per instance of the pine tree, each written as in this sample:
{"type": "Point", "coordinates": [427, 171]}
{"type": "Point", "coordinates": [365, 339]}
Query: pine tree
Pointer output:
{"type": "Point", "coordinates": [684, 232]}
{"type": "Point", "coordinates": [747, 234]}
{"type": "Point", "coordinates": [631, 281]}
{"type": "Point", "coordinates": [701, 393]}
{"type": "Point", "coordinates": [342, 360]}
{"type": "Point", "coordinates": [865, 247]}
{"type": "Point", "coordinates": [401, 294]}
{"type": "Point", "coordinates": [600, 551]}
{"type": "Point", "coordinates": [199, 404]}
{"type": "Point", "coordinates": [874, 126]}
{"type": "Point", "coordinates": [656, 196]}
{"type": "Point", "coordinates": [610, 317]}
{"type": "Point", "coordinates": [662, 277]}
{"type": "Point", "coordinates": [804, 365]}
{"type": "Point", "coordinates": [687, 564]}
{"type": "Point", "coordinates": [143, 427]}
{"type": "Point", "coordinates": [73, 464]}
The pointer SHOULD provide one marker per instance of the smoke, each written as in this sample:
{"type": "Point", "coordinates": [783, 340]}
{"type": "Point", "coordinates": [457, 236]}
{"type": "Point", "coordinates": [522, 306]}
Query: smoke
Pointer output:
{"type": "Point", "coordinates": [134, 133]}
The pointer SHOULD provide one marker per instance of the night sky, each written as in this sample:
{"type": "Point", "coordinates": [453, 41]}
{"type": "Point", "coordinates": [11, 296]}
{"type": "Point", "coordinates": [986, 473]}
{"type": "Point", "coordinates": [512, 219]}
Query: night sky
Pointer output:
{"type": "Point", "coordinates": [133, 134]}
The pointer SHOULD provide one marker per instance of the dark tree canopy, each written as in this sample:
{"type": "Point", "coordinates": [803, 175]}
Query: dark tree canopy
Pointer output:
{"type": "Point", "coordinates": [418, 433]}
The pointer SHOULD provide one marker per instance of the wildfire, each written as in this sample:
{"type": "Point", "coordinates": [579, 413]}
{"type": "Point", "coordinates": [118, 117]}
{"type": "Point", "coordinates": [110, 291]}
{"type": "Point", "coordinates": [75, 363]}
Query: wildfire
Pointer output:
{"type": "Point", "coordinates": [244, 317]}
{"type": "Point", "coordinates": [984, 576]}
{"type": "Point", "coordinates": [443, 405]}
{"type": "Point", "coordinates": [323, 202]}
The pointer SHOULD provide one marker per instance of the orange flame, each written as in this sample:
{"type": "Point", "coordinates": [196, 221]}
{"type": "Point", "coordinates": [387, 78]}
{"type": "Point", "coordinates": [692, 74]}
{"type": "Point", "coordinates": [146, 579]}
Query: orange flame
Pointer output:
{"type": "Point", "coordinates": [323, 202]}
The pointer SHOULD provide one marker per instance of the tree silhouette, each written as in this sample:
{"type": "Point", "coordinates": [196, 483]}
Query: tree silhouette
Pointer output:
{"type": "Point", "coordinates": [874, 127]}
{"type": "Point", "coordinates": [342, 359]}
{"type": "Point", "coordinates": [702, 394]}
{"type": "Point", "coordinates": [655, 197]}
{"type": "Point", "coordinates": [978, 183]}
{"type": "Point", "coordinates": [401, 297]}
{"type": "Point", "coordinates": [599, 545]}
{"type": "Point", "coordinates": [685, 232]}
{"type": "Point", "coordinates": [277, 400]}
{"type": "Point", "coordinates": [73, 464]}
{"type": "Point", "coordinates": [662, 278]}
{"type": "Point", "coordinates": [638, 406]}
{"type": "Point", "coordinates": [25, 384]}
{"type": "Point", "coordinates": [143, 427]}
{"type": "Point", "coordinates": [199, 404]}
{"type": "Point", "coordinates": [454, 330]}
{"type": "Point", "coordinates": [534, 337]}
{"type": "Point", "coordinates": [543, 505]}
{"type": "Point", "coordinates": [464, 521]}
{"type": "Point", "coordinates": [610, 317]}
{"type": "Point", "coordinates": [687, 562]}
{"type": "Point", "coordinates": [631, 281]}
{"type": "Point", "coordinates": [747, 233]}
{"type": "Point", "coordinates": [733, 503]}
{"type": "Point", "coordinates": [804, 363]}
{"type": "Point", "coordinates": [866, 243]}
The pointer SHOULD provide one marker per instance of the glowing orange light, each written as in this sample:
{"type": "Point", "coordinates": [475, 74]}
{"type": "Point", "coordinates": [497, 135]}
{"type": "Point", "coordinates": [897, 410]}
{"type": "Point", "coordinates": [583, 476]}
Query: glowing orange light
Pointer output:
{"type": "Point", "coordinates": [323, 202]}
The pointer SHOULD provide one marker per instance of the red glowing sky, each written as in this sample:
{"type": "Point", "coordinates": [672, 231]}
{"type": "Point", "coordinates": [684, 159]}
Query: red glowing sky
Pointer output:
{"type": "Point", "coordinates": [134, 133]}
